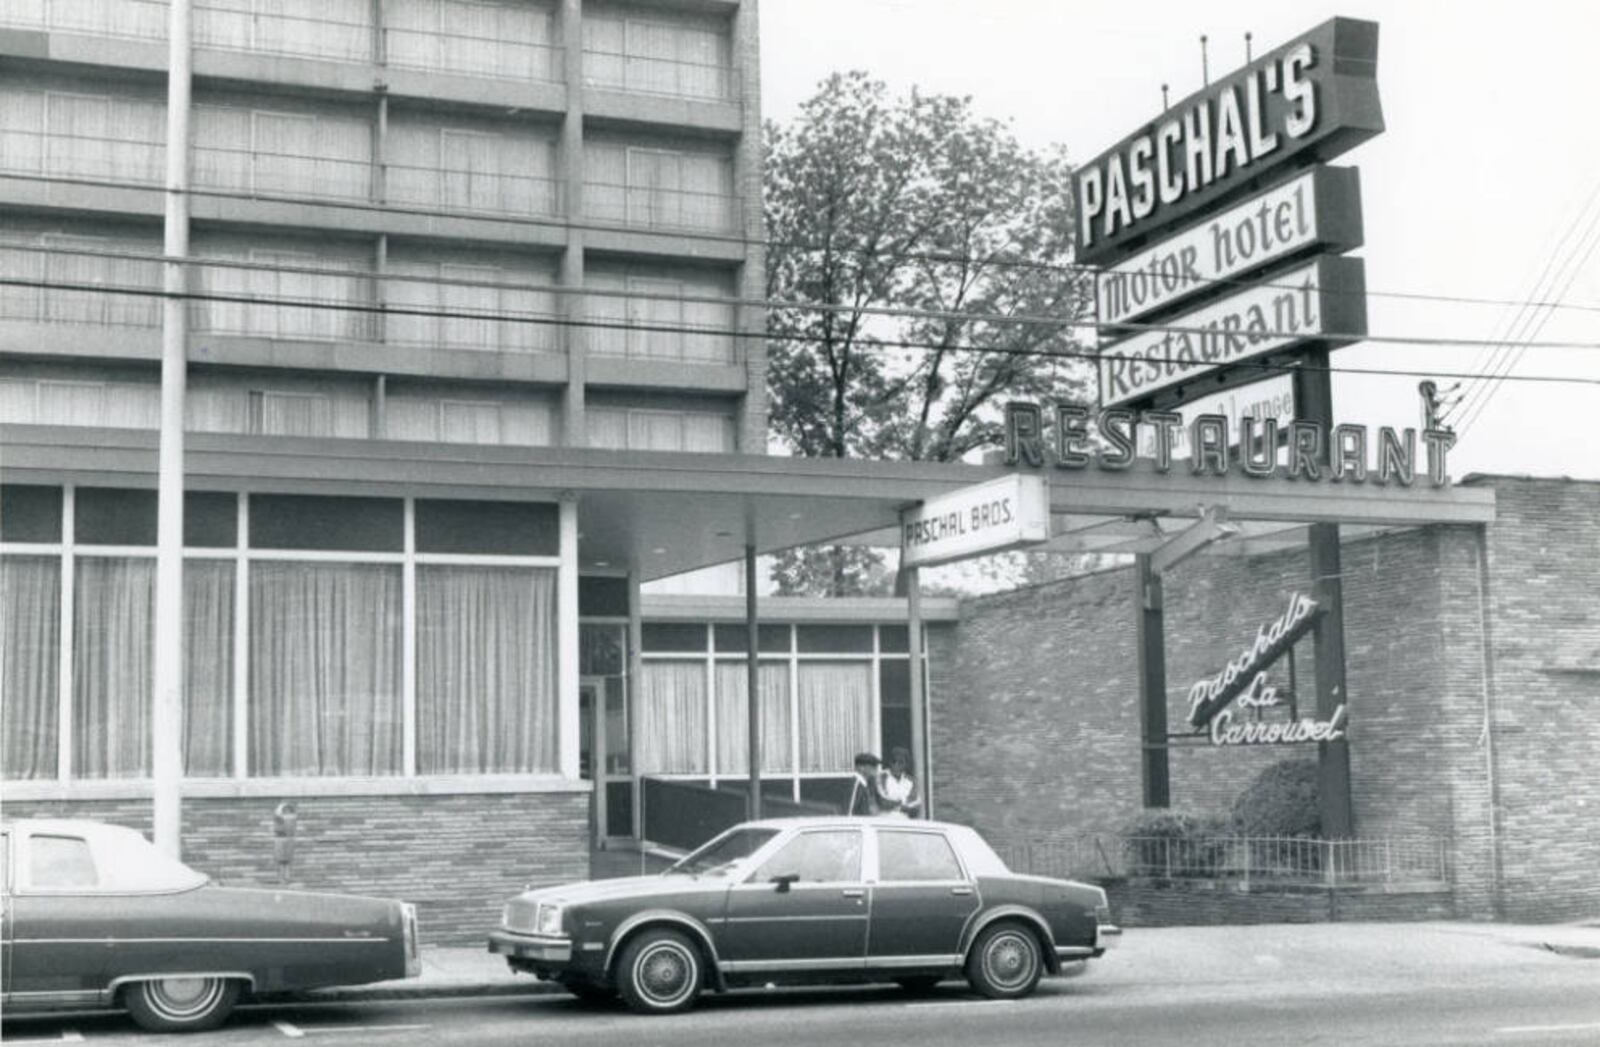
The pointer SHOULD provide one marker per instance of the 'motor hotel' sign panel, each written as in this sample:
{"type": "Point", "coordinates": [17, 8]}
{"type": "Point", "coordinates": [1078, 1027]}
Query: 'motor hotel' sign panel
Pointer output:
{"type": "Point", "coordinates": [1308, 100]}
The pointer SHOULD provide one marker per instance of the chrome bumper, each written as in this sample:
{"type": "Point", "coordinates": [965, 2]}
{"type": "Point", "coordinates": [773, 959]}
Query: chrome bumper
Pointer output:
{"type": "Point", "coordinates": [1106, 935]}
{"type": "Point", "coordinates": [531, 946]}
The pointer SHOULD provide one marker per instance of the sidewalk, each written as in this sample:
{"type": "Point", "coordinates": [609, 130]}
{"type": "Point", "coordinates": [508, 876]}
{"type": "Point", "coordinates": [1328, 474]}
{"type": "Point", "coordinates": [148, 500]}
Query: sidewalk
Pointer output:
{"type": "Point", "coordinates": [1149, 952]}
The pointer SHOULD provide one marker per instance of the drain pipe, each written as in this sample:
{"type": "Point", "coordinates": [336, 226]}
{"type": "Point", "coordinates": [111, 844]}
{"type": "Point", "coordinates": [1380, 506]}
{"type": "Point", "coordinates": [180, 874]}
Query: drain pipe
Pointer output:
{"type": "Point", "coordinates": [1481, 554]}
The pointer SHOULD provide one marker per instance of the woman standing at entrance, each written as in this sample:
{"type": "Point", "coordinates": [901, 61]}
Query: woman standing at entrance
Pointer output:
{"type": "Point", "coordinates": [899, 788]}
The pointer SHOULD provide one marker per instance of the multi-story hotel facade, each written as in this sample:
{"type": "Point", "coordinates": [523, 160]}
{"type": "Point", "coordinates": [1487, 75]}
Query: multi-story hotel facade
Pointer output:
{"type": "Point", "coordinates": [470, 358]}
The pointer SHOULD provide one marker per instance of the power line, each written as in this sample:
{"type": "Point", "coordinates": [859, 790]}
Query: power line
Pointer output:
{"type": "Point", "coordinates": [1510, 323]}
{"type": "Point", "coordinates": [897, 312]}
{"type": "Point", "coordinates": [1074, 268]}
{"type": "Point", "coordinates": [564, 322]}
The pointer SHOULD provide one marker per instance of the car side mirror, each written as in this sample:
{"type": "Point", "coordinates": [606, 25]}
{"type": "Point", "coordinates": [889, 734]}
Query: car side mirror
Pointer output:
{"type": "Point", "coordinates": [784, 882]}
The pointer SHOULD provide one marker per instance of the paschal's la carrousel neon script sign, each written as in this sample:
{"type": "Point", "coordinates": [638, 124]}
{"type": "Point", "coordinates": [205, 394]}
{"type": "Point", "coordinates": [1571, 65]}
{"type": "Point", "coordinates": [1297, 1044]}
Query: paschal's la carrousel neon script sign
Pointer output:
{"type": "Point", "coordinates": [1242, 683]}
{"type": "Point", "coordinates": [1342, 453]}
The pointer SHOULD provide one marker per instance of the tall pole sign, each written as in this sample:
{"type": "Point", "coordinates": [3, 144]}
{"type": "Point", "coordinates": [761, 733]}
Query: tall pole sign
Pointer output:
{"type": "Point", "coordinates": [1218, 233]}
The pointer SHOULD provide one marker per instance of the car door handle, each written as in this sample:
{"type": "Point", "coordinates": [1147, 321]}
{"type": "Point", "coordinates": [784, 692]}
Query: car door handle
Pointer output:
{"type": "Point", "coordinates": [854, 892]}
{"type": "Point", "coordinates": [961, 890]}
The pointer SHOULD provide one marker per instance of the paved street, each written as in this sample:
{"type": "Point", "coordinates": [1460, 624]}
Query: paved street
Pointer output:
{"type": "Point", "coordinates": [1441, 985]}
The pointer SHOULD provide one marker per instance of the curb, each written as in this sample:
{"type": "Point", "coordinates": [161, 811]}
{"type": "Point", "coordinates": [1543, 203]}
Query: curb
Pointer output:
{"type": "Point", "coordinates": [417, 991]}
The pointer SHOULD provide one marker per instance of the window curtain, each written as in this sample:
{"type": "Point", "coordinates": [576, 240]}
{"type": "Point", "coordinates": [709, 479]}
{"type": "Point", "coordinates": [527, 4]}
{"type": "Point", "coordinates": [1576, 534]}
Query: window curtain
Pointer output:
{"type": "Point", "coordinates": [608, 428]}
{"type": "Point", "coordinates": [325, 669]}
{"type": "Point", "coordinates": [655, 188]}
{"type": "Point", "coordinates": [486, 670]}
{"type": "Point", "coordinates": [30, 627]}
{"type": "Point", "coordinates": [605, 181]}
{"type": "Point", "coordinates": [208, 668]}
{"type": "Point", "coordinates": [609, 311]}
{"type": "Point", "coordinates": [603, 61]}
{"type": "Point", "coordinates": [22, 129]}
{"type": "Point", "coordinates": [113, 639]}
{"type": "Point", "coordinates": [671, 720]}
{"type": "Point", "coordinates": [733, 721]}
{"type": "Point", "coordinates": [835, 714]}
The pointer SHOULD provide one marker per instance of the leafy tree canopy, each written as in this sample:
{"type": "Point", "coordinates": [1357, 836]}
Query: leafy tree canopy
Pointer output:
{"type": "Point", "coordinates": [919, 205]}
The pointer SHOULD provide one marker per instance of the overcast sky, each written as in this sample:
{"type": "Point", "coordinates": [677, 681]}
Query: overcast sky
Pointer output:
{"type": "Point", "coordinates": [1491, 154]}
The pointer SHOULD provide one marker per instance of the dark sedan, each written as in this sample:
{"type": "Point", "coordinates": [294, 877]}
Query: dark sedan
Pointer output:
{"type": "Point", "coordinates": [95, 915]}
{"type": "Point", "coordinates": [808, 900]}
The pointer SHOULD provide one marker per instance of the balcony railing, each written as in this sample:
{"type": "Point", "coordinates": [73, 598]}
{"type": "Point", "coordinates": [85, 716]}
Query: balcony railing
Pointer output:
{"type": "Point", "coordinates": [652, 208]}
{"type": "Point", "coordinates": [281, 174]}
{"type": "Point", "coordinates": [672, 77]}
{"type": "Point", "coordinates": [99, 304]}
{"type": "Point", "coordinates": [89, 157]}
{"type": "Point", "coordinates": [307, 36]}
{"type": "Point", "coordinates": [454, 52]}
{"type": "Point", "coordinates": [478, 192]}
{"type": "Point", "coordinates": [134, 19]}
{"type": "Point", "coordinates": [1381, 861]}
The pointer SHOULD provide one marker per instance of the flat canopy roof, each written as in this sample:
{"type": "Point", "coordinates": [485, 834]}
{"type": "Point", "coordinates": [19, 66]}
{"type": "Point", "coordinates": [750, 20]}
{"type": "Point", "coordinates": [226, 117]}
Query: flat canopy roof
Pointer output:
{"type": "Point", "coordinates": [665, 513]}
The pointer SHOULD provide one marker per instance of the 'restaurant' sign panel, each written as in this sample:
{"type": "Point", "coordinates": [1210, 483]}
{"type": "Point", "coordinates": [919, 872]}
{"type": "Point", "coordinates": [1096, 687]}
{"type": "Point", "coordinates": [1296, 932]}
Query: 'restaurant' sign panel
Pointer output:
{"type": "Point", "coordinates": [1325, 300]}
{"type": "Point", "coordinates": [983, 518]}
{"type": "Point", "coordinates": [1312, 98]}
{"type": "Point", "coordinates": [1320, 208]}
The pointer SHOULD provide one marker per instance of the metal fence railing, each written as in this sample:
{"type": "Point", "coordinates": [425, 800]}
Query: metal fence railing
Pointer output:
{"type": "Point", "coordinates": [1387, 860]}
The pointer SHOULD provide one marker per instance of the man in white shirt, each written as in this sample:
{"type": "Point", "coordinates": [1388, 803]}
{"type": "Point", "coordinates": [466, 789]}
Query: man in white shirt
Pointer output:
{"type": "Point", "coordinates": [899, 789]}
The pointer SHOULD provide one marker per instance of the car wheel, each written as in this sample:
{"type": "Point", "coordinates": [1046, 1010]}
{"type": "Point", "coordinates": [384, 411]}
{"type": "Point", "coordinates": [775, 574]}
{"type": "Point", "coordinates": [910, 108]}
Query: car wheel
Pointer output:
{"type": "Point", "coordinates": [1005, 962]}
{"type": "Point", "coordinates": [181, 1004]}
{"type": "Point", "coordinates": [918, 983]}
{"type": "Point", "coordinates": [659, 973]}
{"type": "Point", "coordinates": [590, 993]}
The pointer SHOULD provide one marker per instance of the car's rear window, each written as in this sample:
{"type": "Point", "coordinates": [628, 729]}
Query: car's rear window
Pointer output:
{"type": "Point", "coordinates": [59, 863]}
{"type": "Point", "coordinates": [912, 856]}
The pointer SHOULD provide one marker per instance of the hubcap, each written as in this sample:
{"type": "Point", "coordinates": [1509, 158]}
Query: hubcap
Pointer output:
{"type": "Point", "coordinates": [183, 998]}
{"type": "Point", "coordinates": [665, 973]}
{"type": "Point", "coordinates": [1009, 961]}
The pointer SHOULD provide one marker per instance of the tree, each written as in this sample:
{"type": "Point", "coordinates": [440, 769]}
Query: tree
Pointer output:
{"type": "Point", "coordinates": [919, 205]}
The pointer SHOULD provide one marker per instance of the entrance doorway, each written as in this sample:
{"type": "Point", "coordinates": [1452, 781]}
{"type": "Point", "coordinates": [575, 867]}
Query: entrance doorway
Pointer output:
{"type": "Point", "coordinates": [604, 759]}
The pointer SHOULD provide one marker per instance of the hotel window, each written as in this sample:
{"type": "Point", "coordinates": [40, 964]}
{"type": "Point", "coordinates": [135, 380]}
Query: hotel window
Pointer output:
{"type": "Point", "coordinates": [651, 319]}
{"type": "Point", "coordinates": [639, 429]}
{"type": "Point", "coordinates": [463, 306]}
{"type": "Point", "coordinates": [659, 188]}
{"type": "Point", "coordinates": [45, 401]}
{"type": "Point", "coordinates": [222, 404]}
{"type": "Point", "coordinates": [481, 169]}
{"type": "Point", "coordinates": [432, 419]}
{"type": "Point", "coordinates": [272, 152]}
{"type": "Point", "coordinates": [289, 294]}
{"type": "Point", "coordinates": [339, 29]}
{"type": "Point", "coordinates": [131, 18]}
{"type": "Point", "coordinates": [510, 39]}
{"type": "Point", "coordinates": [72, 135]}
{"type": "Point", "coordinates": [96, 263]}
{"type": "Point", "coordinates": [655, 56]}
{"type": "Point", "coordinates": [316, 603]}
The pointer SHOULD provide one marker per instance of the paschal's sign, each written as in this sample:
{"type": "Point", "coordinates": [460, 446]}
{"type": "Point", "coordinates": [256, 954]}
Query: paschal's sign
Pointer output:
{"type": "Point", "coordinates": [1320, 209]}
{"type": "Point", "coordinates": [1208, 697]}
{"type": "Point", "coordinates": [1309, 100]}
{"type": "Point", "coordinates": [1323, 300]}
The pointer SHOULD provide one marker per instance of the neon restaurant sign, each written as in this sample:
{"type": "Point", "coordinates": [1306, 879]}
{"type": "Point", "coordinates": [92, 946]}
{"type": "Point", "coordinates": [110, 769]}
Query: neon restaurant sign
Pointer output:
{"type": "Point", "coordinates": [1342, 453]}
{"type": "Point", "coordinates": [1242, 684]}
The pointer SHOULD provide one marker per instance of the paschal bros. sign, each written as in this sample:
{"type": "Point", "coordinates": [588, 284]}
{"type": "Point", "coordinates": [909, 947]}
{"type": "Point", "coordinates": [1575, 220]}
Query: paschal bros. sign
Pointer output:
{"type": "Point", "coordinates": [1308, 100]}
{"type": "Point", "coordinates": [984, 518]}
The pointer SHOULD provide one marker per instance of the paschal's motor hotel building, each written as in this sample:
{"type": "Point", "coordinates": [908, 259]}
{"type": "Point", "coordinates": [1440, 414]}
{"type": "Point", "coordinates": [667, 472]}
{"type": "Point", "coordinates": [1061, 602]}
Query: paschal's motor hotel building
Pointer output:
{"type": "Point", "coordinates": [469, 364]}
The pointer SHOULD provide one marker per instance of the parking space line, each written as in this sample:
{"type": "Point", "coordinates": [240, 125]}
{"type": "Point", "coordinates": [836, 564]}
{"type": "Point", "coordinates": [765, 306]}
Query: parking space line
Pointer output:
{"type": "Point", "coordinates": [71, 1036]}
{"type": "Point", "coordinates": [294, 1032]}
{"type": "Point", "coordinates": [1514, 1030]}
{"type": "Point", "coordinates": [962, 1003]}
{"type": "Point", "coordinates": [366, 1028]}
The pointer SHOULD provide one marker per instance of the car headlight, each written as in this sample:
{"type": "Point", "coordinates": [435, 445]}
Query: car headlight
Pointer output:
{"type": "Point", "coordinates": [549, 920]}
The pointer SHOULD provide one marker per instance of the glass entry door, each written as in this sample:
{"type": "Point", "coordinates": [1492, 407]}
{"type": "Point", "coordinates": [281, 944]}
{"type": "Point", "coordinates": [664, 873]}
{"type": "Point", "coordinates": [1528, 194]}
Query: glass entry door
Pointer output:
{"type": "Point", "coordinates": [603, 756]}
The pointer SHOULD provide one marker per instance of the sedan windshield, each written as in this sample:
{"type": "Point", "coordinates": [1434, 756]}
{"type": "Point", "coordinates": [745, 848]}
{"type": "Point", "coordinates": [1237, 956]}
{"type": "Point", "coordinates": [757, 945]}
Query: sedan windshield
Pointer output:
{"type": "Point", "coordinates": [722, 852]}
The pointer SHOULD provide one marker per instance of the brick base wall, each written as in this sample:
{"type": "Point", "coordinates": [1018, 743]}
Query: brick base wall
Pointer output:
{"type": "Point", "coordinates": [458, 858]}
{"type": "Point", "coordinates": [1167, 903]}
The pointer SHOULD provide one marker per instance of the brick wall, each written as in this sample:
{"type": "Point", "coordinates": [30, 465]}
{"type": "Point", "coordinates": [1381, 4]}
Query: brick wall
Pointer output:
{"type": "Point", "coordinates": [1543, 584]}
{"type": "Point", "coordinates": [457, 857]}
{"type": "Point", "coordinates": [1036, 728]}
{"type": "Point", "coordinates": [1163, 903]}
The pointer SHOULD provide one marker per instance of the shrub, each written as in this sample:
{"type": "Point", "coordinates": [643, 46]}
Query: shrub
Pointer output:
{"type": "Point", "coordinates": [1176, 843]}
{"type": "Point", "coordinates": [1281, 801]}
